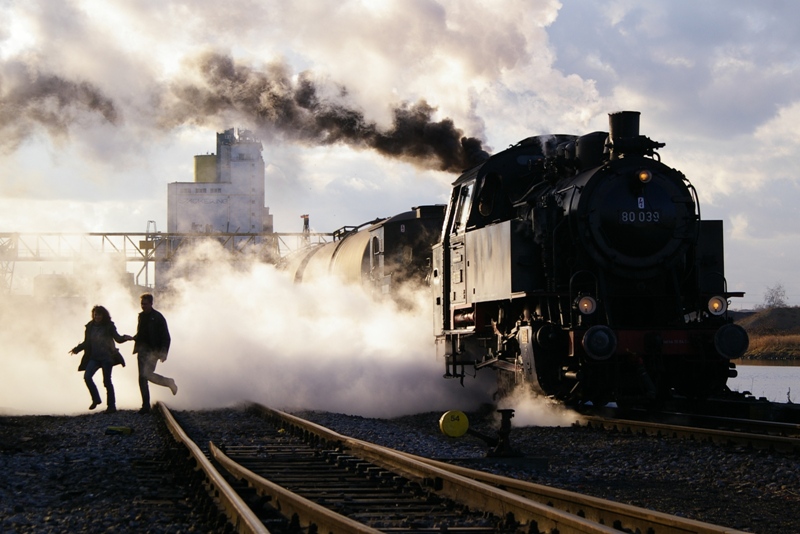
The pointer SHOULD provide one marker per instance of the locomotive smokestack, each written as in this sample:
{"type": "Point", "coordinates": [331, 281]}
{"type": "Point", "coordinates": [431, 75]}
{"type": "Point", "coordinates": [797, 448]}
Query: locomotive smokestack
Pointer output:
{"type": "Point", "coordinates": [624, 139]}
{"type": "Point", "coordinates": [623, 124]}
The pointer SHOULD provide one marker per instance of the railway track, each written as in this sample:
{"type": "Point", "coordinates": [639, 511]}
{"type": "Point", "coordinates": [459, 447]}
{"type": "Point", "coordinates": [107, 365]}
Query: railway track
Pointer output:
{"type": "Point", "coordinates": [323, 481]}
{"type": "Point", "coordinates": [758, 434]}
{"type": "Point", "coordinates": [736, 405]}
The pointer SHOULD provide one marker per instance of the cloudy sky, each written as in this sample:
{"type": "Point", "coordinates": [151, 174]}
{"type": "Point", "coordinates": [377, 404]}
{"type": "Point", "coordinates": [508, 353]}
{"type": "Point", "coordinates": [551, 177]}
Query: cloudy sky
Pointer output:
{"type": "Point", "coordinates": [104, 102]}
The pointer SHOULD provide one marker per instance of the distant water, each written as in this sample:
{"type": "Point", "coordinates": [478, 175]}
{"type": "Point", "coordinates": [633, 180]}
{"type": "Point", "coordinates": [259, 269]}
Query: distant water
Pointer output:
{"type": "Point", "coordinates": [777, 381]}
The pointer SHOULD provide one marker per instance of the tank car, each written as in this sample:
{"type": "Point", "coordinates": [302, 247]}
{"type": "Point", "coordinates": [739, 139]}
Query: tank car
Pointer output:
{"type": "Point", "coordinates": [381, 255]}
{"type": "Point", "coordinates": [580, 267]}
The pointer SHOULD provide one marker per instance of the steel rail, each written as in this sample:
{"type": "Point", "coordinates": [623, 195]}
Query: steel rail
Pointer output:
{"type": "Point", "coordinates": [754, 426]}
{"type": "Point", "coordinates": [475, 494]}
{"type": "Point", "coordinates": [601, 511]}
{"type": "Point", "coordinates": [239, 514]}
{"type": "Point", "coordinates": [289, 503]}
{"type": "Point", "coordinates": [758, 441]}
{"type": "Point", "coordinates": [622, 516]}
{"type": "Point", "coordinates": [707, 421]}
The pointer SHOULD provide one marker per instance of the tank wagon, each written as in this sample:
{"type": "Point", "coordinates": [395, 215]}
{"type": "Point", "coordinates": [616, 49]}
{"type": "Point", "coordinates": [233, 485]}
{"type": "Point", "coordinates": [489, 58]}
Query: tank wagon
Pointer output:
{"type": "Point", "coordinates": [579, 266]}
{"type": "Point", "coordinates": [382, 255]}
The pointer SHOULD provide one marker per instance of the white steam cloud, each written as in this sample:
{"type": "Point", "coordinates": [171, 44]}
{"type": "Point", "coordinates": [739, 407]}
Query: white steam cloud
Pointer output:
{"type": "Point", "coordinates": [533, 410]}
{"type": "Point", "coordinates": [240, 332]}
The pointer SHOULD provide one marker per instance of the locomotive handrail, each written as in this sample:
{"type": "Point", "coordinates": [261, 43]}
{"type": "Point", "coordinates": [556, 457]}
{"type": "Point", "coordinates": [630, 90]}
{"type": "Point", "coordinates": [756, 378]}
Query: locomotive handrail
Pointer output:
{"type": "Point", "coordinates": [345, 231]}
{"type": "Point", "coordinates": [696, 198]}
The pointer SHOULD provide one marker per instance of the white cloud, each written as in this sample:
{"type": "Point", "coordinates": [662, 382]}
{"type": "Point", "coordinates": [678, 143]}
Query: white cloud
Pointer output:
{"type": "Point", "coordinates": [714, 80]}
{"type": "Point", "coordinates": [739, 227]}
{"type": "Point", "coordinates": [780, 135]}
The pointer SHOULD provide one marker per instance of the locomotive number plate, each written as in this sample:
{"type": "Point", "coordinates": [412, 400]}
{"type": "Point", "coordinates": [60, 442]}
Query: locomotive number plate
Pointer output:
{"type": "Point", "coordinates": [639, 216]}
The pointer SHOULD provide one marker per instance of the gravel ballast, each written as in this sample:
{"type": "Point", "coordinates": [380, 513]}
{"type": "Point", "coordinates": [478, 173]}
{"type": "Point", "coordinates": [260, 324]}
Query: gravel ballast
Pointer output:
{"type": "Point", "coordinates": [86, 474]}
{"type": "Point", "coordinates": [69, 474]}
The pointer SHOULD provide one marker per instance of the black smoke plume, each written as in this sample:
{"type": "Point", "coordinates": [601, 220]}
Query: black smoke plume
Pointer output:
{"type": "Point", "coordinates": [294, 109]}
{"type": "Point", "coordinates": [28, 98]}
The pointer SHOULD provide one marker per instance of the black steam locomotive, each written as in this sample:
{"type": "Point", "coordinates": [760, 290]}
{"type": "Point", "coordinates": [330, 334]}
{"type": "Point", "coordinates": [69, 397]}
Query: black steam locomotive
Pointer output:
{"type": "Point", "coordinates": [580, 267]}
{"type": "Point", "coordinates": [575, 266]}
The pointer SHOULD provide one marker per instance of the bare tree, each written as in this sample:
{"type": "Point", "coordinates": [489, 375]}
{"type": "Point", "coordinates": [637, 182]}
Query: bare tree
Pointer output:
{"type": "Point", "coordinates": [774, 297]}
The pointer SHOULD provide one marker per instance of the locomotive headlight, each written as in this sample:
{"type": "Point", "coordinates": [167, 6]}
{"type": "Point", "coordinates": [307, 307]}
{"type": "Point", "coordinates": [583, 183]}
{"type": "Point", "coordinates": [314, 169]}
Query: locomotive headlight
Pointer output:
{"type": "Point", "coordinates": [645, 176]}
{"type": "Point", "coordinates": [717, 305]}
{"type": "Point", "coordinates": [586, 305]}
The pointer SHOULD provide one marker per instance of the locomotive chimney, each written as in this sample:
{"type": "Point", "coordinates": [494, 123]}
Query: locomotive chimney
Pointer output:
{"type": "Point", "coordinates": [624, 139]}
{"type": "Point", "coordinates": [623, 124]}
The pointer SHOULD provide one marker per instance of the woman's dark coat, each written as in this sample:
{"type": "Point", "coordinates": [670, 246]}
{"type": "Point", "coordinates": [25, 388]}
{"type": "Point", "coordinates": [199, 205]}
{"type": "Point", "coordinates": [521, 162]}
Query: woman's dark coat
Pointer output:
{"type": "Point", "coordinates": [111, 335]}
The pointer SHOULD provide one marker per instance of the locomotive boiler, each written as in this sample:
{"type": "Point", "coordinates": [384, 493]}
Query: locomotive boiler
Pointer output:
{"type": "Point", "coordinates": [580, 267]}
{"type": "Point", "coordinates": [382, 255]}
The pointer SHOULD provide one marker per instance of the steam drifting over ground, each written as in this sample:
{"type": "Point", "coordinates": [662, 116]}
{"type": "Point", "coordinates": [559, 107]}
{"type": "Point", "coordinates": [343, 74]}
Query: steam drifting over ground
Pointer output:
{"type": "Point", "coordinates": [104, 102]}
{"type": "Point", "coordinates": [532, 410]}
{"type": "Point", "coordinates": [240, 332]}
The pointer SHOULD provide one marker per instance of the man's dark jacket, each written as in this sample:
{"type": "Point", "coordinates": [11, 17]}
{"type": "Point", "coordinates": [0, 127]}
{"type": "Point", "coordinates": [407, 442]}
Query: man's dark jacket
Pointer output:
{"type": "Point", "coordinates": [152, 333]}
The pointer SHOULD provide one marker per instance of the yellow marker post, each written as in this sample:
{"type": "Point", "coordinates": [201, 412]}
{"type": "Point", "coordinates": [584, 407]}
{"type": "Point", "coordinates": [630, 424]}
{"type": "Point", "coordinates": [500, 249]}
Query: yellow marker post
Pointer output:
{"type": "Point", "coordinates": [454, 423]}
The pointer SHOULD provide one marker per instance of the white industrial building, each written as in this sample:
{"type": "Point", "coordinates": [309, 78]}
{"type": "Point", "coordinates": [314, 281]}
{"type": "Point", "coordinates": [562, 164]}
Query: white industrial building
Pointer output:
{"type": "Point", "coordinates": [227, 194]}
{"type": "Point", "coordinates": [224, 202]}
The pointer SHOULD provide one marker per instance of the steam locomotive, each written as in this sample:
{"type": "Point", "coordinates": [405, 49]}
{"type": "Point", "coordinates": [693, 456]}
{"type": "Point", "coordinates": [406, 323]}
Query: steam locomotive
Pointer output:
{"type": "Point", "coordinates": [580, 267]}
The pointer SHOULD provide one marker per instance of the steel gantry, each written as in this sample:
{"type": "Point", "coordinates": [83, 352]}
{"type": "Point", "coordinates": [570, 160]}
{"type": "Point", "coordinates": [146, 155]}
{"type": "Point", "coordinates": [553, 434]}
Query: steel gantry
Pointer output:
{"type": "Point", "coordinates": [142, 247]}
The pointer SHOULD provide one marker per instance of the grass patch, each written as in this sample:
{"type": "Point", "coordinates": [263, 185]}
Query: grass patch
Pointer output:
{"type": "Point", "coordinates": [773, 347]}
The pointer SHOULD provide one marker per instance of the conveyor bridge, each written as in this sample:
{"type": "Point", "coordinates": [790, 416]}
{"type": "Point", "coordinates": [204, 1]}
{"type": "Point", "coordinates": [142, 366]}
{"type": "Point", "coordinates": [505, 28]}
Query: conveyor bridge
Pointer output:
{"type": "Point", "coordinates": [143, 247]}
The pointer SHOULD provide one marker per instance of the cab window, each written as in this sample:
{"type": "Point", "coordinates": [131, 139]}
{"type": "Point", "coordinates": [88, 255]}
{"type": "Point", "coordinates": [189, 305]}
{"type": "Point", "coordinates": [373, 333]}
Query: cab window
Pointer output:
{"type": "Point", "coordinates": [463, 204]}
